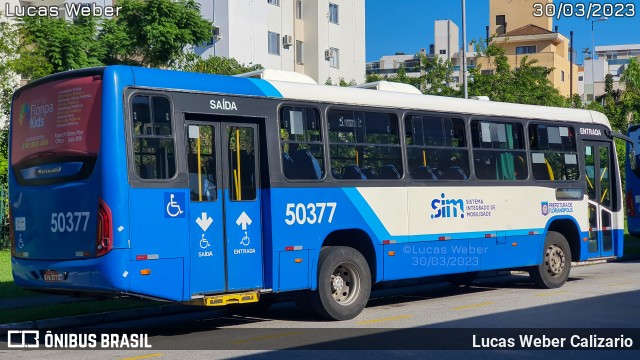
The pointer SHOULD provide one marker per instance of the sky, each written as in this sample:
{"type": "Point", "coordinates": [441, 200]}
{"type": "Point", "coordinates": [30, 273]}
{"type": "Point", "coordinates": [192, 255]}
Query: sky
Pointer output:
{"type": "Point", "coordinates": [407, 25]}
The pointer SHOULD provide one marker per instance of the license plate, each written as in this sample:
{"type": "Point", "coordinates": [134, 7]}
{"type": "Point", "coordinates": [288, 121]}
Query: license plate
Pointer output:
{"type": "Point", "coordinates": [53, 276]}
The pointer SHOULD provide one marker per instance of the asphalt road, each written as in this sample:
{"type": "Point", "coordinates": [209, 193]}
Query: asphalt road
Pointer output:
{"type": "Point", "coordinates": [414, 322]}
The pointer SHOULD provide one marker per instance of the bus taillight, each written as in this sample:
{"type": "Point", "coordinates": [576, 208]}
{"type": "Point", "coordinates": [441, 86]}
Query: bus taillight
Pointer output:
{"type": "Point", "coordinates": [104, 240]}
{"type": "Point", "coordinates": [631, 208]}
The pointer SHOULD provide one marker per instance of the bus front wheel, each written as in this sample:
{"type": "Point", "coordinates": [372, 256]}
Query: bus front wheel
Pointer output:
{"type": "Point", "coordinates": [344, 283]}
{"type": "Point", "coordinates": [553, 272]}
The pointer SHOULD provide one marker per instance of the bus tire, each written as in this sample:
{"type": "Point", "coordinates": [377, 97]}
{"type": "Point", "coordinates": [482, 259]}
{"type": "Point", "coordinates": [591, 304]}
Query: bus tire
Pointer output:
{"type": "Point", "coordinates": [344, 283]}
{"type": "Point", "coordinates": [554, 270]}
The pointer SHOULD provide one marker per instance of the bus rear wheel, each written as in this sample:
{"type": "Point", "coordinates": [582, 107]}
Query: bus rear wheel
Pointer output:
{"type": "Point", "coordinates": [344, 283]}
{"type": "Point", "coordinates": [554, 270]}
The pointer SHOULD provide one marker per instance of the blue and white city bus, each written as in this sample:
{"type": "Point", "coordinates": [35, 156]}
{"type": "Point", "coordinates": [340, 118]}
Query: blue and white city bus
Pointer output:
{"type": "Point", "coordinates": [219, 190]}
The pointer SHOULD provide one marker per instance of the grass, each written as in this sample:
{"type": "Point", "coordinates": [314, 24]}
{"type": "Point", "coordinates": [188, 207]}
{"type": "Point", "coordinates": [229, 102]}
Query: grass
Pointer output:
{"type": "Point", "coordinates": [9, 290]}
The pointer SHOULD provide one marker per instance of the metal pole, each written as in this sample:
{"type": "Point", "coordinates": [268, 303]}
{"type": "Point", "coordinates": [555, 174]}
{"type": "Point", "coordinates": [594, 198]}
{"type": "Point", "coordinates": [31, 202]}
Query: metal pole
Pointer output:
{"type": "Point", "coordinates": [571, 67]}
{"type": "Point", "coordinates": [464, 49]}
{"type": "Point", "coordinates": [593, 55]}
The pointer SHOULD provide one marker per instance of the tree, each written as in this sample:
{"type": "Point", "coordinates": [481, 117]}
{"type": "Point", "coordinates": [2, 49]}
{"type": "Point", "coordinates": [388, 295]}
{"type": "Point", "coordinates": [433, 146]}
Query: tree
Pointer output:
{"type": "Point", "coordinates": [62, 44]}
{"type": "Point", "coordinates": [217, 65]}
{"type": "Point", "coordinates": [147, 33]}
{"type": "Point", "coordinates": [438, 76]}
{"type": "Point", "coordinates": [8, 47]}
{"type": "Point", "coordinates": [631, 76]}
{"type": "Point", "coordinates": [527, 84]}
{"type": "Point", "coordinates": [153, 33]}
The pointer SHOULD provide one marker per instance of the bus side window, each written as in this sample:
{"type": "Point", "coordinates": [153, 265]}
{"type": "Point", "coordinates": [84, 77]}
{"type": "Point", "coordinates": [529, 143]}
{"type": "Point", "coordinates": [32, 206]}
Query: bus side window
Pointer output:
{"type": "Point", "coordinates": [301, 139]}
{"type": "Point", "coordinates": [242, 169]}
{"type": "Point", "coordinates": [201, 163]}
{"type": "Point", "coordinates": [153, 142]}
{"type": "Point", "coordinates": [498, 150]}
{"type": "Point", "coordinates": [554, 155]}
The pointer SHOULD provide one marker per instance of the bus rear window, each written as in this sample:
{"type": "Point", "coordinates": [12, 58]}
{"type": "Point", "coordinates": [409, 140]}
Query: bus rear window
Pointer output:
{"type": "Point", "coordinates": [55, 129]}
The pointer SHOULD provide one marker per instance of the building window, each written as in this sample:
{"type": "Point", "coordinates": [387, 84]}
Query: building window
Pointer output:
{"type": "Point", "coordinates": [561, 75]}
{"type": "Point", "coordinates": [333, 13]}
{"type": "Point", "coordinates": [299, 9]}
{"type": "Point", "coordinates": [501, 24]}
{"type": "Point", "coordinates": [334, 61]}
{"type": "Point", "coordinates": [274, 43]}
{"type": "Point", "coordinates": [580, 78]}
{"type": "Point", "coordinates": [299, 52]}
{"type": "Point", "coordinates": [274, 2]}
{"type": "Point", "coordinates": [443, 52]}
{"type": "Point", "coordinates": [520, 50]}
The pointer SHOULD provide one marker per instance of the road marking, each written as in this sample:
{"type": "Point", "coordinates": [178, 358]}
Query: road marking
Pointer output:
{"type": "Point", "coordinates": [474, 305]}
{"type": "Point", "coordinates": [148, 356]}
{"type": "Point", "coordinates": [268, 337]}
{"type": "Point", "coordinates": [551, 293]}
{"type": "Point", "coordinates": [620, 284]}
{"type": "Point", "coordinates": [384, 319]}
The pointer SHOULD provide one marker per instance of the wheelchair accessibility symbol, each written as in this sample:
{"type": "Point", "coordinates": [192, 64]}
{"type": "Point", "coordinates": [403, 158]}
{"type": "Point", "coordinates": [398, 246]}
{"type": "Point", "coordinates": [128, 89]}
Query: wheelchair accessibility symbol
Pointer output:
{"type": "Point", "coordinates": [204, 243]}
{"type": "Point", "coordinates": [245, 240]}
{"type": "Point", "coordinates": [174, 205]}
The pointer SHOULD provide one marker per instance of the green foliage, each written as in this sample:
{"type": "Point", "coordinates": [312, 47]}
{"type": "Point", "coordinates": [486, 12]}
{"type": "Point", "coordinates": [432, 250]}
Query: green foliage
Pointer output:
{"type": "Point", "coordinates": [64, 44]}
{"type": "Point", "coordinates": [631, 77]}
{"type": "Point", "coordinates": [153, 32]}
{"type": "Point", "coordinates": [217, 65]}
{"type": "Point", "coordinates": [328, 81]}
{"type": "Point", "coordinates": [527, 84]}
{"type": "Point", "coordinates": [438, 77]}
{"type": "Point", "coordinates": [150, 33]}
{"type": "Point", "coordinates": [576, 101]}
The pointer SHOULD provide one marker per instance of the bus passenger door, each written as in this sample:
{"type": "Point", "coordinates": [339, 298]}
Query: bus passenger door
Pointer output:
{"type": "Point", "coordinates": [225, 215]}
{"type": "Point", "coordinates": [243, 218]}
{"type": "Point", "coordinates": [206, 220]}
{"type": "Point", "coordinates": [598, 173]}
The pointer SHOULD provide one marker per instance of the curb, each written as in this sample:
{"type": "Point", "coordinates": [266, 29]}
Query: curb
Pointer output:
{"type": "Point", "coordinates": [104, 317]}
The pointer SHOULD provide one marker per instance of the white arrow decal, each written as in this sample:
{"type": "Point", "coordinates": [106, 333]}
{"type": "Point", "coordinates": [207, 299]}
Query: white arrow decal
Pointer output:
{"type": "Point", "coordinates": [204, 221]}
{"type": "Point", "coordinates": [243, 219]}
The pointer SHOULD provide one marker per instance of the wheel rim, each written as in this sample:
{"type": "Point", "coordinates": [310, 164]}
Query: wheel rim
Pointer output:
{"type": "Point", "coordinates": [555, 260]}
{"type": "Point", "coordinates": [345, 283]}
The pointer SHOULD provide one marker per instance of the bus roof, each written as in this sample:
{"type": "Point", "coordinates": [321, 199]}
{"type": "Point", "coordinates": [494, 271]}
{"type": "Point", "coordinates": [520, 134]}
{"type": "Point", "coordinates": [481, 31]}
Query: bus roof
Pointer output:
{"type": "Point", "coordinates": [367, 97]}
{"type": "Point", "coordinates": [179, 80]}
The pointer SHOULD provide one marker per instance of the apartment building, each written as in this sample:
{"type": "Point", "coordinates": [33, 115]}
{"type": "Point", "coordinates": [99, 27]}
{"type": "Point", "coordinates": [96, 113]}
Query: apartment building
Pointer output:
{"type": "Point", "coordinates": [611, 59]}
{"type": "Point", "coordinates": [321, 38]}
{"type": "Point", "coordinates": [522, 34]}
{"type": "Point", "coordinates": [446, 36]}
